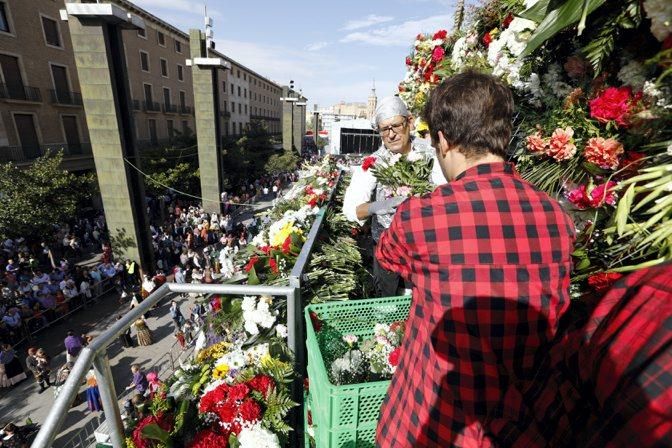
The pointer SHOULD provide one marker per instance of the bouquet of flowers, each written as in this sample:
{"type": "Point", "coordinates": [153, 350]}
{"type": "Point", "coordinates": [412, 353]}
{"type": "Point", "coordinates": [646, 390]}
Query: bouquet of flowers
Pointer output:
{"type": "Point", "coordinates": [402, 174]}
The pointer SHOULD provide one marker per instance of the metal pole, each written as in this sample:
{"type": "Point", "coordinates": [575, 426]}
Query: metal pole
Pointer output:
{"type": "Point", "coordinates": [108, 395]}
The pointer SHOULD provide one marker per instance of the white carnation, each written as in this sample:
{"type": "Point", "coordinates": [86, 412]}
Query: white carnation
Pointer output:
{"type": "Point", "coordinates": [257, 437]}
{"type": "Point", "coordinates": [249, 303]}
{"type": "Point", "coordinates": [281, 331]}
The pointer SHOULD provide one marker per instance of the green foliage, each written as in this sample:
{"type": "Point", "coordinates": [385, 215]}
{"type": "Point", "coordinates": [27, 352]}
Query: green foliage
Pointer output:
{"type": "Point", "coordinates": [32, 200]}
{"type": "Point", "coordinates": [286, 161]}
{"type": "Point", "coordinates": [155, 432]}
{"type": "Point", "coordinates": [278, 404]}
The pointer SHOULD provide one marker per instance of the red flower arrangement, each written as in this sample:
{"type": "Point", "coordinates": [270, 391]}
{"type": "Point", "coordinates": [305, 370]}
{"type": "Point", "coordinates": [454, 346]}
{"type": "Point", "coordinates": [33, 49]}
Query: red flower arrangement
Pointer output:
{"type": "Point", "coordinates": [582, 198]}
{"type": "Point", "coordinates": [250, 264]}
{"type": "Point", "coordinates": [507, 21]}
{"type": "Point", "coordinates": [561, 145]}
{"type": "Point", "coordinates": [603, 152]}
{"type": "Point", "coordinates": [273, 265]}
{"type": "Point", "coordinates": [368, 162]}
{"type": "Point", "coordinates": [441, 34]}
{"type": "Point", "coordinates": [233, 405]}
{"type": "Point", "coordinates": [487, 39]}
{"type": "Point", "coordinates": [286, 245]}
{"type": "Point", "coordinates": [262, 384]}
{"type": "Point", "coordinates": [603, 281]}
{"type": "Point", "coordinates": [409, 61]}
{"type": "Point", "coordinates": [162, 421]}
{"type": "Point", "coordinates": [438, 53]}
{"type": "Point", "coordinates": [393, 357]}
{"type": "Point", "coordinates": [210, 439]}
{"type": "Point", "coordinates": [614, 104]}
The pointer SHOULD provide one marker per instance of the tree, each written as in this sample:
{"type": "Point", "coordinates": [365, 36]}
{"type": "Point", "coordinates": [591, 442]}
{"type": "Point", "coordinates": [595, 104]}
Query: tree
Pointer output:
{"type": "Point", "coordinates": [282, 162]}
{"type": "Point", "coordinates": [34, 199]}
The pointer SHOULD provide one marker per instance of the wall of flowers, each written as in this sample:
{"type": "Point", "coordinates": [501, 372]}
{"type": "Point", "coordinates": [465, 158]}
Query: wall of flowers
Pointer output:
{"type": "Point", "coordinates": [593, 121]}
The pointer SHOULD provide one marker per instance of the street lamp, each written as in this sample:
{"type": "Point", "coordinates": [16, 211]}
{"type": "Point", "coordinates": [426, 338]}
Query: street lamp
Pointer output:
{"type": "Point", "coordinates": [291, 100]}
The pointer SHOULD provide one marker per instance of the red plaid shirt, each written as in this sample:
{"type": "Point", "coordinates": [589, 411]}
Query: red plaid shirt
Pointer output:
{"type": "Point", "coordinates": [489, 259]}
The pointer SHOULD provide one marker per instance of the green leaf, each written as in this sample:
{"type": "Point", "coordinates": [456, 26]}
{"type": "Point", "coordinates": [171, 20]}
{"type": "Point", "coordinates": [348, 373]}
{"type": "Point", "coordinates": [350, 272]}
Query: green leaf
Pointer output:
{"type": "Point", "coordinates": [233, 441]}
{"type": "Point", "coordinates": [155, 432]}
{"type": "Point", "coordinates": [623, 209]}
{"type": "Point", "coordinates": [252, 278]}
{"type": "Point", "coordinates": [536, 12]}
{"type": "Point", "coordinates": [563, 16]}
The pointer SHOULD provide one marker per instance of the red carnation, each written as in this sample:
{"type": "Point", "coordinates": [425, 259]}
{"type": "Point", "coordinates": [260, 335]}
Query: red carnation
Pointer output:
{"type": "Point", "coordinates": [250, 411]}
{"type": "Point", "coordinates": [250, 264]}
{"type": "Point", "coordinates": [317, 323]}
{"type": "Point", "coordinates": [368, 162]}
{"type": "Point", "coordinates": [438, 54]}
{"type": "Point", "coordinates": [261, 383]}
{"type": "Point", "coordinates": [227, 412]}
{"type": "Point", "coordinates": [614, 104]}
{"type": "Point", "coordinates": [209, 439]}
{"type": "Point", "coordinates": [487, 39]}
{"type": "Point", "coordinates": [441, 34]}
{"type": "Point", "coordinates": [393, 358]}
{"type": "Point", "coordinates": [602, 281]}
{"type": "Point", "coordinates": [409, 61]}
{"type": "Point", "coordinates": [162, 421]}
{"type": "Point", "coordinates": [238, 391]}
{"type": "Point", "coordinates": [507, 21]}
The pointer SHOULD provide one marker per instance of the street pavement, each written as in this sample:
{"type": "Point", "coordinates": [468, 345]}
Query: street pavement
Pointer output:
{"type": "Point", "coordinates": [23, 401]}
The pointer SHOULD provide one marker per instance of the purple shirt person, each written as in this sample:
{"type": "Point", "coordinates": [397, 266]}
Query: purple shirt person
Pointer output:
{"type": "Point", "coordinates": [140, 382]}
{"type": "Point", "coordinates": [73, 346]}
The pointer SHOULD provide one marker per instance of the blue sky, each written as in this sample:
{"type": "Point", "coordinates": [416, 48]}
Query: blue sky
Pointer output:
{"type": "Point", "coordinates": [332, 50]}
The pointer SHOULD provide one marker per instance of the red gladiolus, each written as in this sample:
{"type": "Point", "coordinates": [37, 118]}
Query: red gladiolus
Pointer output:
{"type": "Point", "coordinates": [273, 265]}
{"type": "Point", "coordinates": [286, 245]}
{"type": "Point", "coordinates": [603, 281]}
{"type": "Point", "coordinates": [441, 34]}
{"type": "Point", "coordinates": [438, 53]}
{"type": "Point", "coordinates": [368, 162]}
{"type": "Point", "coordinates": [250, 264]}
{"type": "Point", "coordinates": [393, 358]}
{"type": "Point", "coordinates": [487, 39]}
{"type": "Point", "coordinates": [265, 249]}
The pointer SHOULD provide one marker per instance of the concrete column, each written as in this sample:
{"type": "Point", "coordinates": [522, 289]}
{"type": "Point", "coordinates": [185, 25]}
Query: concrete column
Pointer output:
{"type": "Point", "coordinates": [299, 125]}
{"type": "Point", "coordinates": [207, 125]}
{"type": "Point", "coordinates": [287, 131]}
{"type": "Point", "coordinates": [103, 80]}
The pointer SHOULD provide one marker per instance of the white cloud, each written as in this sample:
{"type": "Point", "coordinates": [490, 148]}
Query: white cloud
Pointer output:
{"type": "Point", "coordinates": [315, 46]}
{"type": "Point", "coordinates": [370, 20]}
{"type": "Point", "coordinates": [401, 34]}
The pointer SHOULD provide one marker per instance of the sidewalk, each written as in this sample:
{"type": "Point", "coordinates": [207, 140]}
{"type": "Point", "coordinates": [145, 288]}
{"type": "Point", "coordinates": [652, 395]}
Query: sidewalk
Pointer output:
{"type": "Point", "coordinates": [23, 401]}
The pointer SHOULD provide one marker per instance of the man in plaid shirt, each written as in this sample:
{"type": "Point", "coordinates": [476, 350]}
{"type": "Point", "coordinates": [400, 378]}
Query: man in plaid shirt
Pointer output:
{"type": "Point", "coordinates": [489, 259]}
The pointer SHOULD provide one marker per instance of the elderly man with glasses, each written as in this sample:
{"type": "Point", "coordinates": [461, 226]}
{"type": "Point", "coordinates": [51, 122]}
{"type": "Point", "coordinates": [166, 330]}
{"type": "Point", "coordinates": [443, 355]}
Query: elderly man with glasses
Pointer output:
{"type": "Point", "coordinates": [364, 196]}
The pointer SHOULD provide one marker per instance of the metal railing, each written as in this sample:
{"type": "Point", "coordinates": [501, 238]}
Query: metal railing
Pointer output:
{"type": "Point", "coordinates": [169, 108]}
{"type": "Point", "coordinates": [26, 154]}
{"type": "Point", "coordinates": [66, 98]}
{"type": "Point", "coordinates": [136, 105]}
{"type": "Point", "coordinates": [23, 93]}
{"type": "Point", "coordinates": [186, 110]}
{"type": "Point", "coordinates": [151, 106]}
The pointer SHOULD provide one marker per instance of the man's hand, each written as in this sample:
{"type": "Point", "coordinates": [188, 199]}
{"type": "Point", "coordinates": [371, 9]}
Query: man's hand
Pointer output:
{"type": "Point", "coordinates": [386, 207]}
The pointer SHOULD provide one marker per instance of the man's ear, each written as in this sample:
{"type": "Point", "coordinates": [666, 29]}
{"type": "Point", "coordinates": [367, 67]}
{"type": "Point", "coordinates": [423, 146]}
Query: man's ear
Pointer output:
{"type": "Point", "coordinates": [443, 147]}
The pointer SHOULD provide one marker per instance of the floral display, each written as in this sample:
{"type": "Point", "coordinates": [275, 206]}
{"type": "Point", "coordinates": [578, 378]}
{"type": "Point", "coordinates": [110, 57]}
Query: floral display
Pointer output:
{"type": "Point", "coordinates": [594, 107]}
{"type": "Point", "coordinates": [350, 360]}
{"type": "Point", "coordinates": [402, 174]}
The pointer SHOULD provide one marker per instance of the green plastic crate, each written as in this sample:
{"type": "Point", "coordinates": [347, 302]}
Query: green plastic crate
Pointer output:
{"type": "Point", "coordinates": [346, 416]}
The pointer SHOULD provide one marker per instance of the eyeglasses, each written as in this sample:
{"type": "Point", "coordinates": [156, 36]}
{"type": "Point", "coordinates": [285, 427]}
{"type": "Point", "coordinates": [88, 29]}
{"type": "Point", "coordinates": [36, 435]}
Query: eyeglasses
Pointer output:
{"type": "Point", "coordinates": [397, 127]}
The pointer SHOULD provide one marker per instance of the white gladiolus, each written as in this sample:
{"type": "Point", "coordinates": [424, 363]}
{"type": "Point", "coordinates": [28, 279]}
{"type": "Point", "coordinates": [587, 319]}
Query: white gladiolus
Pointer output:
{"type": "Point", "coordinates": [257, 437]}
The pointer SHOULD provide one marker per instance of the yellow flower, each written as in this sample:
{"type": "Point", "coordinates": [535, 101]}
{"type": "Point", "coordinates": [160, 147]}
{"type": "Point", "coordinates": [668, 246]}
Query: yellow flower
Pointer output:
{"type": "Point", "coordinates": [284, 232]}
{"type": "Point", "coordinates": [220, 371]}
{"type": "Point", "coordinates": [215, 351]}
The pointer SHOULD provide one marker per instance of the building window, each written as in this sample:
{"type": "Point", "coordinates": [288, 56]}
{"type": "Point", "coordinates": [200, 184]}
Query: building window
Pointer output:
{"type": "Point", "coordinates": [51, 35]}
{"type": "Point", "coordinates": [185, 126]}
{"type": "Point", "coordinates": [144, 61]}
{"type": "Point", "coordinates": [240, 108]}
{"type": "Point", "coordinates": [162, 38]}
{"type": "Point", "coordinates": [183, 99]}
{"type": "Point", "coordinates": [178, 46]}
{"type": "Point", "coordinates": [148, 93]}
{"type": "Point", "coordinates": [4, 21]}
{"type": "Point", "coordinates": [233, 107]}
{"type": "Point", "coordinates": [245, 93]}
{"type": "Point", "coordinates": [142, 33]}
{"type": "Point", "coordinates": [244, 77]}
{"type": "Point", "coordinates": [238, 73]}
{"type": "Point", "coordinates": [239, 91]}
{"type": "Point", "coordinates": [180, 72]}
{"type": "Point", "coordinates": [246, 109]}
{"type": "Point", "coordinates": [171, 128]}
{"type": "Point", "coordinates": [231, 89]}
{"type": "Point", "coordinates": [166, 98]}
{"type": "Point", "coordinates": [164, 68]}
{"type": "Point", "coordinates": [224, 86]}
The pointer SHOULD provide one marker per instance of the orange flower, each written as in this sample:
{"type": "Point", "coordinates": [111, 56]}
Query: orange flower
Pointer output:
{"type": "Point", "coordinates": [603, 152]}
{"type": "Point", "coordinates": [537, 144]}
{"type": "Point", "coordinates": [561, 146]}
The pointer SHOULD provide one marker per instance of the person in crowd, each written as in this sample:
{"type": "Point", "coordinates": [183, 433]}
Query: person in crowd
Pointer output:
{"type": "Point", "coordinates": [125, 337]}
{"type": "Point", "coordinates": [365, 197]}
{"type": "Point", "coordinates": [73, 346]}
{"type": "Point", "coordinates": [12, 437]}
{"type": "Point", "coordinates": [153, 384]}
{"type": "Point", "coordinates": [37, 367]}
{"type": "Point", "coordinates": [176, 314]}
{"type": "Point", "coordinates": [92, 393]}
{"type": "Point", "coordinates": [143, 332]}
{"type": "Point", "coordinates": [12, 365]}
{"type": "Point", "coordinates": [139, 381]}
{"type": "Point", "coordinates": [490, 274]}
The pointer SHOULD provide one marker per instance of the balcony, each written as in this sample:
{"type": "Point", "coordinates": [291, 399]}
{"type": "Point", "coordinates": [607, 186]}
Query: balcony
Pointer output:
{"type": "Point", "coordinates": [186, 110]}
{"type": "Point", "coordinates": [136, 105]}
{"type": "Point", "coordinates": [151, 106]}
{"type": "Point", "coordinates": [66, 98]}
{"type": "Point", "coordinates": [169, 108]}
{"type": "Point", "coordinates": [263, 118]}
{"type": "Point", "coordinates": [24, 93]}
{"type": "Point", "coordinates": [20, 154]}
{"type": "Point", "coordinates": [225, 114]}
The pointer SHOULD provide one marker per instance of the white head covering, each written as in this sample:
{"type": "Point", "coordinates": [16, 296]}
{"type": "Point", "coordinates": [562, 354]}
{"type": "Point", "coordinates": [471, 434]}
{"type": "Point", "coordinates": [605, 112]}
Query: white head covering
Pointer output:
{"type": "Point", "coordinates": [389, 107]}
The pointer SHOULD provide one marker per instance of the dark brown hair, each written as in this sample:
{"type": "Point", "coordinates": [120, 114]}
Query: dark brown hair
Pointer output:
{"type": "Point", "coordinates": [473, 111]}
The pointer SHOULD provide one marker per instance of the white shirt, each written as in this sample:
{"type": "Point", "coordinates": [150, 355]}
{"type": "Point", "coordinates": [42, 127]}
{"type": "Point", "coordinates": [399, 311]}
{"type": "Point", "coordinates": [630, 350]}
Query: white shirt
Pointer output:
{"type": "Point", "coordinates": [363, 184]}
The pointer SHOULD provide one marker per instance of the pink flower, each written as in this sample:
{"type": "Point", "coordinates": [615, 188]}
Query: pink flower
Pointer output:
{"type": "Point", "coordinates": [537, 144]}
{"type": "Point", "coordinates": [614, 104]}
{"type": "Point", "coordinates": [561, 146]}
{"type": "Point", "coordinates": [583, 198]}
{"type": "Point", "coordinates": [404, 191]}
{"type": "Point", "coordinates": [603, 152]}
{"type": "Point", "coordinates": [438, 54]}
